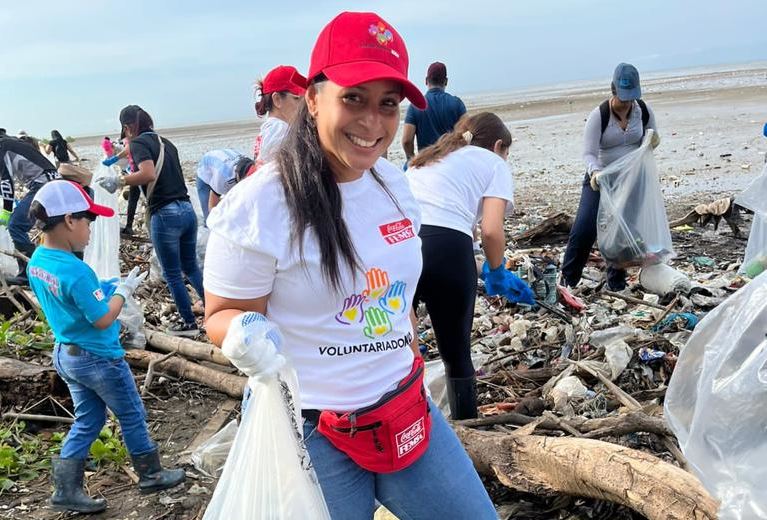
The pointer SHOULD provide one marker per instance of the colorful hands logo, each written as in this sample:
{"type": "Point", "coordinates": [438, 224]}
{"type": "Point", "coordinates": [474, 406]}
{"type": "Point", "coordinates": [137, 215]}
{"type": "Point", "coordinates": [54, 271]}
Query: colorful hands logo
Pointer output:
{"type": "Point", "coordinates": [383, 35]}
{"type": "Point", "coordinates": [374, 306]}
{"type": "Point", "coordinates": [377, 323]}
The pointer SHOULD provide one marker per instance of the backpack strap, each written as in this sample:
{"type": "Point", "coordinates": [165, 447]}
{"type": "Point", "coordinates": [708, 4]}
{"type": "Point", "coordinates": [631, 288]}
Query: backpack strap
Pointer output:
{"type": "Point", "coordinates": [604, 113]}
{"type": "Point", "coordinates": [645, 115]}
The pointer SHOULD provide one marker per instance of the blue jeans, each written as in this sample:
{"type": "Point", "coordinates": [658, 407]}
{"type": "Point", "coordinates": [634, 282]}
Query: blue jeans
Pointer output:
{"type": "Point", "coordinates": [96, 383]}
{"type": "Point", "coordinates": [20, 222]}
{"type": "Point", "coordinates": [203, 193]}
{"type": "Point", "coordinates": [441, 484]}
{"type": "Point", "coordinates": [582, 237]}
{"type": "Point", "coordinates": [174, 236]}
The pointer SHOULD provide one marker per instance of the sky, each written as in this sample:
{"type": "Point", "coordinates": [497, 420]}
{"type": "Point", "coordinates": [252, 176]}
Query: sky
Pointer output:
{"type": "Point", "coordinates": [72, 65]}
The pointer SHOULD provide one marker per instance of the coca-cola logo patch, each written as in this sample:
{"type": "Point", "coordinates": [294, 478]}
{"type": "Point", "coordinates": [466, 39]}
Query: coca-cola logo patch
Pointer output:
{"type": "Point", "coordinates": [396, 232]}
{"type": "Point", "coordinates": [410, 437]}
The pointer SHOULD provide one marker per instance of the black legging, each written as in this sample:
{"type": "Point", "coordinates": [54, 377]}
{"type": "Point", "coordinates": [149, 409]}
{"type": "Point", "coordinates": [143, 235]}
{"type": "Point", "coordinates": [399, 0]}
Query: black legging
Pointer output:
{"type": "Point", "coordinates": [448, 287]}
{"type": "Point", "coordinates": [135, 194]}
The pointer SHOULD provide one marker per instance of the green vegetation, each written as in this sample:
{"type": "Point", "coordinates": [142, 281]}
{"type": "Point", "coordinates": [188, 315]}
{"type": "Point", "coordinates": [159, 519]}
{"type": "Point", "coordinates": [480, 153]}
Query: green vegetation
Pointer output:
{"type": "Point", "coordinates": [19, 338]}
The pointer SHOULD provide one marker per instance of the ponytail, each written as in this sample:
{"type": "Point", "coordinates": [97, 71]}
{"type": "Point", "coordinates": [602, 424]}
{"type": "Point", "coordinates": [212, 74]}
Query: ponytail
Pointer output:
{"type": "Point", "coordinates": [483, 129]}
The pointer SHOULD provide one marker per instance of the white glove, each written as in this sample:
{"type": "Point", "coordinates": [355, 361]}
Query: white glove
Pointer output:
{"type": "Point", "coordinates": [111, 184]}
{"type": "Point", "coordinates": [131, 282]}
{"type": "Point", "coordinates": [594, 180]}
{"type": "Point", "coordinates": [252, 344]}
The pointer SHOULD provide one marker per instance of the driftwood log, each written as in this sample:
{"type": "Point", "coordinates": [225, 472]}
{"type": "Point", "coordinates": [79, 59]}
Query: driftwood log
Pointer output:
{"type": "Point", "coordinates": [187, 347]}
{"type": "Point", "coordinates": [22, 382]}
{"type": "Point", "coordinates": [228, 384]}
{"type": "Point", "coordinates": [590, 468]}
{"type": "Point", "coordinates": [553, 229]}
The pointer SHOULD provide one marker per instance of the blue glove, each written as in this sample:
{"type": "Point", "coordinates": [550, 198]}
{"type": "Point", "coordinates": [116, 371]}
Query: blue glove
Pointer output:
{"type": "Point", "coordinates": [109, 161]}
{"type": "Point", "coordinates": [404, 166]}
{"type": "Point", "coordinates": [501, 281]}
{"type": "Point", "coordinates": [108, 287]}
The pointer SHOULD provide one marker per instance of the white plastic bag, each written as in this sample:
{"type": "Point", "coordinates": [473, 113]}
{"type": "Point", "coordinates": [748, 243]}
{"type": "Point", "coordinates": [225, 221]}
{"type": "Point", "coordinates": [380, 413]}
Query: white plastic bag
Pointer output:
{"type": "Point", "coordinates": [662, 279]}
{"type": "Point", "coordinates": [632, 226]}
{"type": "Point", "coordinates": [211, 455]}
{"type": "Point", "coordinates": [8, 266]}
{"type": "Point", "coordinates": [755, 258]}
{"type": "Point", "coordinates": [754, 197]}
{"type": "Point", "coordinates": [268, 473]}
{"type": "Point", "coordinates": [131, 317]}
{"type": "Point", "coordinates": [716, 402]}
{"type": "Point", "coordinates": [103, 251]}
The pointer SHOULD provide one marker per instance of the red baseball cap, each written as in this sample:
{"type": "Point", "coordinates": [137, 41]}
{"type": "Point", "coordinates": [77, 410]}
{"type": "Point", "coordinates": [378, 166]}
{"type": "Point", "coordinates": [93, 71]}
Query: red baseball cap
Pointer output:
{"type": "Point", "coordinates": [355, 48]}
{"type": "Point", "coordinates": [284, 78]}
{"type": "Point", "coordinates": [66, 197]}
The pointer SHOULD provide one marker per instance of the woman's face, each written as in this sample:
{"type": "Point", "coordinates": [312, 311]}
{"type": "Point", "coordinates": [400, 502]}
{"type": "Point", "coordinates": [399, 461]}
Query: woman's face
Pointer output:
{"type": "Point", "coordinates": [356, 124]}
{"type": "Point", "coordinates": [287, 105]}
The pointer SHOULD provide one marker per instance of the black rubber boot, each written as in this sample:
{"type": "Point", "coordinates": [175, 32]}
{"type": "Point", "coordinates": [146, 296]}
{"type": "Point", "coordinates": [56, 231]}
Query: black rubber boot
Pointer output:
{"type": "Point", "coordinates": [21, 278]}
{"type": "Point", "coordinates": [152, 477]}
{"type": "Point", "coordinates": [68, 482]}
{"type": "Point", "coordinates": [462, 398]}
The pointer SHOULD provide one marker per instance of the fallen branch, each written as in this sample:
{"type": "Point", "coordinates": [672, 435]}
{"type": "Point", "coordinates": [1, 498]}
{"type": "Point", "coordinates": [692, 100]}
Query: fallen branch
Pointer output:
{"type": "Point", "coordinates": [615, 425]}
{"type": "Point", "coordinates": [590, 468]}
{"type": "Point", "coordinates": [35, 417]}
{"type": "Point", "coordinates": [231, 385]}
{"type": "Point", "coordinates": [631, 299]}
{"type": "Point", "coordinates": [187, 347]}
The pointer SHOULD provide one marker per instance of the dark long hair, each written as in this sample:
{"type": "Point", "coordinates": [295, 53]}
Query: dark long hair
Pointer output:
{"type": "Point", "coordinates": [314, 200]}
{"type": "Point", "coordinates": [485, 129]}
{"type": "Point", "coordinates": [135, 118]}
{"type": "Point", "coordinates": [55, 134]}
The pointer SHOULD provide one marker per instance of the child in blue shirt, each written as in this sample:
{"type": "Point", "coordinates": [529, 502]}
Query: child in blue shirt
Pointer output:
{"type": "Point", "coordinates": [87, 353]}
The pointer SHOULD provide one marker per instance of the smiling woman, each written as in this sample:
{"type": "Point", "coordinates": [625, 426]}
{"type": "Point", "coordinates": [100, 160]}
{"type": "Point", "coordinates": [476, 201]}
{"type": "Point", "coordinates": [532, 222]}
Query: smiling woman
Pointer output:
{"type": "Point", "coordinates": [323, 243]}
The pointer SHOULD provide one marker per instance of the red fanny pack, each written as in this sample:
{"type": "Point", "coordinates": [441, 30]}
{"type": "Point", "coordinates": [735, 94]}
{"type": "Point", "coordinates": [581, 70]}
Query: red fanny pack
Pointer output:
{"type": "Point", "coordinates": [388, 435]}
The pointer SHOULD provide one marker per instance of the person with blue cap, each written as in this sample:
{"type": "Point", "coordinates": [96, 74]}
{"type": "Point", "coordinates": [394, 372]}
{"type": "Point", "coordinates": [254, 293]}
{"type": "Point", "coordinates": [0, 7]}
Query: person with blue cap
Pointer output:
{"type": "Point", "coordinates": [613, 129]}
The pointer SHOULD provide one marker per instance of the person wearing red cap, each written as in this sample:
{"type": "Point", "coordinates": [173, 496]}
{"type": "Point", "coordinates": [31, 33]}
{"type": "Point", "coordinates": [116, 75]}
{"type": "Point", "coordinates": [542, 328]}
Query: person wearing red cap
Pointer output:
{"type": "Point", "coordinates": [87, 353]}
{"type": "Point", "coordinates": [323, 245]}
{"type": "Point", "coordinates": [425, 126]}
{"type": "Point", "coordinates": [280, 93]}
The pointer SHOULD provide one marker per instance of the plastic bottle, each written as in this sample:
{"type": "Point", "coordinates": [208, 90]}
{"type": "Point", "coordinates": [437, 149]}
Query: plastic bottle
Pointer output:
{"type": "Point", "coordinates": [756, 267]}
{"type": "Point", "coordinates": [550, 275]}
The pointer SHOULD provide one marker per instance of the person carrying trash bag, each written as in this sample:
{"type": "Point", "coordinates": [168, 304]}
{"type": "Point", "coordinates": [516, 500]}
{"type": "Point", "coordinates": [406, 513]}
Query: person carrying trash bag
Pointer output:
{"type": "Point", "coordinates": [613, 129]}
{"type": "Point", "coordinates": [170, 216]}
{"type": "Point", "coordinates": [87, 353]}
{"type": "Point", "coordinates": [323, 242]}
{"type": "Point", "coordinates": [461, 180]}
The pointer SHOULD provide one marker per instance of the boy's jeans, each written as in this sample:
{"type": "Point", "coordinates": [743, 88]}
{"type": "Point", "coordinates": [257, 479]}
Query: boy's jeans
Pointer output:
{"type": "Point", "coordinates": [96, 382]}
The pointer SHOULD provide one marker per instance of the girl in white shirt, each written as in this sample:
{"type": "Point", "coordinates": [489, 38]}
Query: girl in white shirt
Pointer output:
{"type": "Point", "coordinates": [280, 93]}
{"type": "Point", "coordinates": [461, 180]}
{"type": "Point", "coordinates": [323, 243]}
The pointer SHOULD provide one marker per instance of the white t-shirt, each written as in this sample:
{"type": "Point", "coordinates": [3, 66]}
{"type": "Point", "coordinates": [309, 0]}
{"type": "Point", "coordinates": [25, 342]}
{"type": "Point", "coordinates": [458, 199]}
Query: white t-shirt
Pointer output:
{"type": "Point", "coordinates": [349, 348]}
{"type": "Point", "coordinates": [216, 169]}
{"type": "Point", "coordinates": [451, 190]}
{"type": "Point", "coordinates": [273, 131]}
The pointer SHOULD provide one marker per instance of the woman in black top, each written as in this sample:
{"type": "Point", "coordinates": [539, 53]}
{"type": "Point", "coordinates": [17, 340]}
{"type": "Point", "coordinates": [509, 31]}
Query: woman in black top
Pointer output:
{"type": "Point", "coordinates": [60, 148]}
{"type": "Point", "coordinates": [173, 222]}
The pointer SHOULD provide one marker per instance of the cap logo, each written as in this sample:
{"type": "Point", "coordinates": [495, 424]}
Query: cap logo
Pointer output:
{"type": "Point", "coordinates": [625, 83]}
{"type": "Point", "coordinates": [383, 35]}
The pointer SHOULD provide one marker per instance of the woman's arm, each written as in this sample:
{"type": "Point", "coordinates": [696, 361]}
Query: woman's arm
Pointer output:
{"type": "Point", "coordinates": [77, 158]}
{"type": "Point", "coordinates": [145, 174]}
{"type": "Point", "coordinates": [414, 341]}
{"type": "Point", "coordinates": [220, 311]}
{"type": "Point", "coordinates": [213, 200]}
{"type": "Point", "coordinates": [48, 149]}
{"type": "Point", "coordinates": [592, 135]}
{"type": "Point", "coordinates": [493, 237]}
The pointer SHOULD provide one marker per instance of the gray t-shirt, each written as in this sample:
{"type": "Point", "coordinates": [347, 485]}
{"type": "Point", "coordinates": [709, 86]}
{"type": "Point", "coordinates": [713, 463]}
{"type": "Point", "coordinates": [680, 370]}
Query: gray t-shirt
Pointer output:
{"type": "Point", "coordinates": [600, 149]}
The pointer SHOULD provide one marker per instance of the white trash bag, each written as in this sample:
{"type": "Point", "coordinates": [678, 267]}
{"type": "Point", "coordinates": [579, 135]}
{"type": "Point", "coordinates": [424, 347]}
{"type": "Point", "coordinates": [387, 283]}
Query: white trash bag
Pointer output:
{"type": "Point", "coordinates": [632, 226]}
{"type": "Point", "coordinates": [131, 318]}
{"type": "Point", "coordinates": [103, 252]}
{"type": "Point", "coordinates": [8, 265]}
{"type": "Point", "coordinates": [716, 402]}
{"type": "Point", "coordinates": [268, 473]}
{"type": "Point", "coordinates": [211, 455]}
{"type": "Point", "coordinates": [754, 198]}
